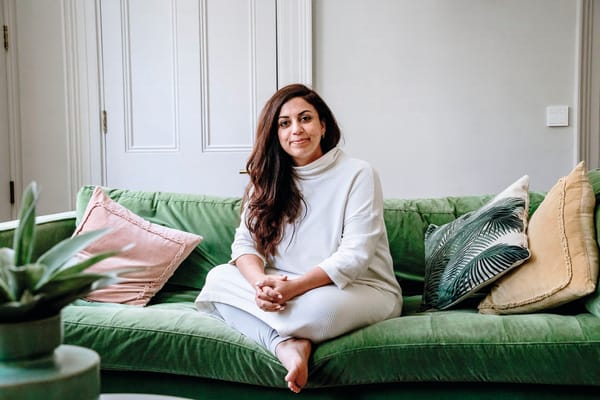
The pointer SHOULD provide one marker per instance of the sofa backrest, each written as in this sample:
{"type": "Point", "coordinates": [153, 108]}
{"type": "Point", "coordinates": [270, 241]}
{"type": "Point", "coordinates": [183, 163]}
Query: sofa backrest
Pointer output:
{"type": "Point", "coordinates": [216, 218]}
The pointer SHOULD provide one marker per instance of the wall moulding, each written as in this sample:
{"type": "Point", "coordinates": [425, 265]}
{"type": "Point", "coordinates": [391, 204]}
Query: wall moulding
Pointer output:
{"type": "Point", "coordinates": [134, 140]}
{"type": "Point", "coordinates": [209, 142]}
{"type": "Point", "coordinates": [294, 42]}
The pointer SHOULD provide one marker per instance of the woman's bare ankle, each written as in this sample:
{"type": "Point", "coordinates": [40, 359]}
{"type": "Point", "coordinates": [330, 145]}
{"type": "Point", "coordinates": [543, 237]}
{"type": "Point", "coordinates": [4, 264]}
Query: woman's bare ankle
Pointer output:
{"type": "Point", "coordinates": [294, 355]}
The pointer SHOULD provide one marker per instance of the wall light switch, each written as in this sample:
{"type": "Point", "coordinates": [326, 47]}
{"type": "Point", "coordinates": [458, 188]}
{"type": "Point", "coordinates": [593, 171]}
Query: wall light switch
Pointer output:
{"type": "Point", "coordinates": [557, 116]}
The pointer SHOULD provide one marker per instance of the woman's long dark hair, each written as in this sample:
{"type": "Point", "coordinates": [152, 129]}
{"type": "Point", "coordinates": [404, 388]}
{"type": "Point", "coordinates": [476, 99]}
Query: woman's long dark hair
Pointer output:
{"type": "Point", "coordinates": [272, 198]}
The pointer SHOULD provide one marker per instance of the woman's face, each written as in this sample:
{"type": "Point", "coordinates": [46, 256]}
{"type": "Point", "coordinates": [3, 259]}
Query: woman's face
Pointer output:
{"type": "Point", "coordinates": [300, 130]}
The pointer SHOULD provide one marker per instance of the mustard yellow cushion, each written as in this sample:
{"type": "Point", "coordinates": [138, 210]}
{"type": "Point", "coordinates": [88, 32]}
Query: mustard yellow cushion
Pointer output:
{"type": "Point", "coordinates": [564, 255]}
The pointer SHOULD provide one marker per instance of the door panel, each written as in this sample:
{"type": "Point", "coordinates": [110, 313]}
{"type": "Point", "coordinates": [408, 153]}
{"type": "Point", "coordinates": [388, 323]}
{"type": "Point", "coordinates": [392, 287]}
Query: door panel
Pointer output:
{"type": "Point", "coordinates": [183, 83]}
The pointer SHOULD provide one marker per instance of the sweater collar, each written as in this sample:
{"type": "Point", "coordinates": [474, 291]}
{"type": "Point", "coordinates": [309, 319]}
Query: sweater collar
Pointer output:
{"type": "Point", "coordinates": [320, 165]}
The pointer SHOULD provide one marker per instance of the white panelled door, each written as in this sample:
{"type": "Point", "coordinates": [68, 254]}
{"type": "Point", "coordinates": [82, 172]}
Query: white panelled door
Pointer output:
{"type": "Point", "coordinates": [183, 83]}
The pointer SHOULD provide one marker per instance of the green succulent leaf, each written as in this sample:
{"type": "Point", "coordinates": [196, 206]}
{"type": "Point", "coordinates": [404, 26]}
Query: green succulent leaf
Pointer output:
{"type": "Point", "coordinates": [7, 257]}
{"type": "Point", "coordinates": [73, 269]}
{"type": "Point", "coordinates": [63, 252]}
{"type": "Point", "coordinates": [5, 293]}
{"type": "Point", "coordinates": [6, 260]}
{"type": "Point", "coordinates": [27, 297]}
{"type": "Point", "coordinates": [14, 311]}
{"type": "Point", "coordinates": [25, 232]}
{"type": "Point", "coordinates": [61, 292]}
{"type": "Point", "coordinates": [22, 279]}
{"type": "Point", "coordinates": [32, 290]}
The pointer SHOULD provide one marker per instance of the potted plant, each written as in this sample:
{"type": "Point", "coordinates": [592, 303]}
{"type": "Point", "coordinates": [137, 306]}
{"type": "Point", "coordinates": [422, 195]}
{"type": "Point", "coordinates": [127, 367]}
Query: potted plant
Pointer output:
{"type": "Point", "coordinates": [33, 292]}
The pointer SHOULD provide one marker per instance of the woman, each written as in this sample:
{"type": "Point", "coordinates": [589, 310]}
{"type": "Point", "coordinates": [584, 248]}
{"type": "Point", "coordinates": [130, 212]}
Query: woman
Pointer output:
{"type": "Point", "coordinates": [310, 259]}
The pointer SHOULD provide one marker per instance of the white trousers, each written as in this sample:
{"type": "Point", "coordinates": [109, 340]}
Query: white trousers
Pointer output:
{"type": "Point", "coordinates": [250, 326]}
{"type": "Point", "coordinates": [317, 315]}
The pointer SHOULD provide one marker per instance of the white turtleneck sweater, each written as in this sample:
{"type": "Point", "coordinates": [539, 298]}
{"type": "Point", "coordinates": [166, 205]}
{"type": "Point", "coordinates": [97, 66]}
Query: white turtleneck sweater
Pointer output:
{"type": "Point", "coordinates": [342, 231]}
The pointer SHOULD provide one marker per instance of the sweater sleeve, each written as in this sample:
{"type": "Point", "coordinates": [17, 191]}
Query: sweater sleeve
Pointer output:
{"type": "Point", "coordinates": [243, 243]}
{"type": "Point", "coordinates": [363, 228]}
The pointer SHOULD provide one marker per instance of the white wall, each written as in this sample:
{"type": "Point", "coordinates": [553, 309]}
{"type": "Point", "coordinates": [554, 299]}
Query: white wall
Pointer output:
{"type": "Point", "coordinates": [444, 97]}
{"type": "Point", "coordinates": [449, 97]}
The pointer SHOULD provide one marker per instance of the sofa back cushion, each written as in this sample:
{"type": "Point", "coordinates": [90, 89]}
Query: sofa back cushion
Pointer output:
{"type": "Point", "coordinates": [593, 301]}
{"type": "Point", "coordinates": [213, 218]}
{"type": "Point", "coordinates": [216, 218]}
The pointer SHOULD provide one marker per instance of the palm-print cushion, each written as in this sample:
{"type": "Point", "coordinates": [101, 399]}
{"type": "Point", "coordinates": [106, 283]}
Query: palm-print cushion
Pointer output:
{"type": "Point", "coordinates": [465, 255]}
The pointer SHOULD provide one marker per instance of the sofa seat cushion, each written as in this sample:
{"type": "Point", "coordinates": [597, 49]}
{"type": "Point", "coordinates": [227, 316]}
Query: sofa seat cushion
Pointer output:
{"type": "Point", "coordinates": [462, 346]}
{"type": "Point", "coordinates": [170, 337]}
{"type": "Point", "coordinates": [449, 346]}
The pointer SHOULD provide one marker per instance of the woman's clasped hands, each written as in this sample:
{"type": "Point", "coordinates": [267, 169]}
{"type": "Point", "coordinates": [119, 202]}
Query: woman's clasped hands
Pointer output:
{"type": "Point", "coordinates": [272, 292]}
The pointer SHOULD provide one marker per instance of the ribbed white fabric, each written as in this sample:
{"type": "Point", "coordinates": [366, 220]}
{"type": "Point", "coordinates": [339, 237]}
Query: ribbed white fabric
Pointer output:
{"type": "Point", "coordinates": [250, 326]}
{"type": "Point", "coordinates": [343, 232]}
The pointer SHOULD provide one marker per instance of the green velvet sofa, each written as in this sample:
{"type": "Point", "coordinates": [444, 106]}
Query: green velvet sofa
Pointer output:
{"type": "Point", "coordinates": [167, 347]}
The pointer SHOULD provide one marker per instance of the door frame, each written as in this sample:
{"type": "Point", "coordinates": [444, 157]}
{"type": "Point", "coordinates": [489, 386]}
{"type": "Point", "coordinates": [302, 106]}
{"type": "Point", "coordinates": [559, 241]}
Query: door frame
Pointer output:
{"type": "Point", "coordinates": [13, 109]}
{"type": "Point", "coordinates": [587, 99]}
{"type": "Point", "coordinates": [87, 149]}
{"type": "Point", "coordinates": [6, 208]}
{"type": "Point", "coordinates": [83, 89]}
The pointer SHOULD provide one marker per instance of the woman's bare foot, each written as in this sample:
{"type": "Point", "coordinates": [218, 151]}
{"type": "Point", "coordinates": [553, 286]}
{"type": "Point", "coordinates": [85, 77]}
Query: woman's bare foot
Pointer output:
{"type": "Point", "coordinates": [294, 355]}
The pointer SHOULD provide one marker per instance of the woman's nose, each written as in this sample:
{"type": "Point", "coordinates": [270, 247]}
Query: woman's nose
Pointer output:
{"type": "Point", "coordinates": [296, 127]}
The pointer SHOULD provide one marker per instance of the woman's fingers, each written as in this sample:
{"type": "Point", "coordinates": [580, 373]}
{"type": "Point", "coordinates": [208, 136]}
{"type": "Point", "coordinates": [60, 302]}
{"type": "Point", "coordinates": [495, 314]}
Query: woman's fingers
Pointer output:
{"type": "Point", "coordinates": [268, 293]}
{"type": "Point", "coordinates": [272, 293]}
{"type": "Point", "coordinates": [267, 300]}
{"type": "Point", "coordinates": [271, 280]}
{"type": "Point", "coordinates": [269, 306]}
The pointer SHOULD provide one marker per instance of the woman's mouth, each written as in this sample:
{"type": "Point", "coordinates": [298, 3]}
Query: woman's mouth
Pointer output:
{"type": "Point", "coordinates": [298, 141]}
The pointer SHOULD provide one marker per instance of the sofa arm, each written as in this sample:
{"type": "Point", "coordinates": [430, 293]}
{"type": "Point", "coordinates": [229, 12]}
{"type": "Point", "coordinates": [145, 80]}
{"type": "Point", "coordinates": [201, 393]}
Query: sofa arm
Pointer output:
{"type": "Point", "coordinates": [50, 229]}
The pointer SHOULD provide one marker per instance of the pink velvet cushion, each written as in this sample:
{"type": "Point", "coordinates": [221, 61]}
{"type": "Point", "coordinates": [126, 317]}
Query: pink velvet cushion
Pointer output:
{"type": "Point", "coordinates": [157, 250]}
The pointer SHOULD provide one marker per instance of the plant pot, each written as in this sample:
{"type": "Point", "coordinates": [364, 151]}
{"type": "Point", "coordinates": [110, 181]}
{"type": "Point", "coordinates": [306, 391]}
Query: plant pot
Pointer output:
{"type": "Point", "coordinates": [34, 364]}
{"type": "Point", "coordinates": [30, 339]}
